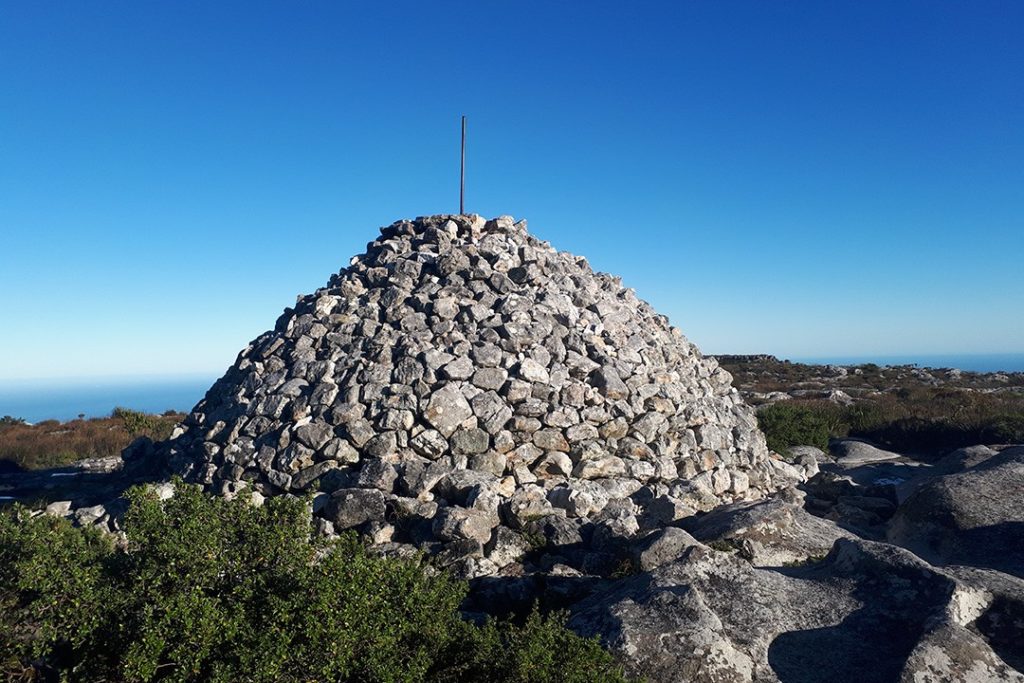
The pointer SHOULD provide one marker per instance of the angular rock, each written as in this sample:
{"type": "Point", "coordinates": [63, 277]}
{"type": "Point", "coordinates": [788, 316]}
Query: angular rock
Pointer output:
{"type": "Point", "coordinates": [348, 508]}
{"type": "Point", "coordinates": [447, 409]}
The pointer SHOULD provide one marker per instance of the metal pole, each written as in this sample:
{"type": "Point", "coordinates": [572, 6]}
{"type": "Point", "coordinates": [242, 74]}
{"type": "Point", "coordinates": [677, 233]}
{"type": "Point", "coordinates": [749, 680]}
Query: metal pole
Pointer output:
{"type": "Point", "coordinates": [462, 171]}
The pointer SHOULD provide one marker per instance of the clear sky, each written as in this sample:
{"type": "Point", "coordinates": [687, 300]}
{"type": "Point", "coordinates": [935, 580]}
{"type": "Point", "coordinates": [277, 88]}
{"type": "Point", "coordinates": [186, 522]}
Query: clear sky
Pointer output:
{"type": "Point", "coordinates": [798, 178]}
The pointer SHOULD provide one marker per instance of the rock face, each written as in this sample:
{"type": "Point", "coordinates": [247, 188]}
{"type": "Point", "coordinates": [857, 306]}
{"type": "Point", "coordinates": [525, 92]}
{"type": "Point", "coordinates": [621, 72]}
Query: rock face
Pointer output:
{"type": "Point", "coordinates": [867, 612]}
{"type": "Point", "coordinates": [971, 517]}
{"type": "Point", "coordinates": [769, 533]}
{"type": "Point", "coordinates": [474, 378]}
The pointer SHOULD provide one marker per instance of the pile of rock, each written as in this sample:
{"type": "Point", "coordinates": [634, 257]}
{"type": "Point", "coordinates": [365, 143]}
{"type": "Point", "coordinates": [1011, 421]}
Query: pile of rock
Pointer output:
{"type": "Point", "coordinates": [464, 388]}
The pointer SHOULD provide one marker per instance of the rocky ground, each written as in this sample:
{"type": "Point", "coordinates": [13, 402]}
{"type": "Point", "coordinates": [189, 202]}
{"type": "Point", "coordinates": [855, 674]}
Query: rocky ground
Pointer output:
{"type": "Point", "coordinates": [464, 390]}
{"type": "Point", "coordinates": [899, 570]}
{"type": "Point", "coordinates": [766, 379]}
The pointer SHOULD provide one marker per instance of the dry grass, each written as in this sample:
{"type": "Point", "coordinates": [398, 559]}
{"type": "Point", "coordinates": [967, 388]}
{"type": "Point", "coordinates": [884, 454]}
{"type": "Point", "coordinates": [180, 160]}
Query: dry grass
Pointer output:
{"type": "Point", "coordinates": [53, 443]}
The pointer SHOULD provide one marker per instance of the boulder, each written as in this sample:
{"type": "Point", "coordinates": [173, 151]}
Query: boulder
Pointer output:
{"type": "Point", "coordinates": [770, 533]}
{"type": "Point", "coordinates": [850, 452]}
{"type": "Point", "coordinates": [348, 508]}
{"type": "Point", "coordinates": [974, 517]}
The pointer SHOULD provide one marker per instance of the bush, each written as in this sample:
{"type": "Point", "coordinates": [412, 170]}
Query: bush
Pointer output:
{"type": "Point", "coordinates": [214, 590]}
{"type": "Point", "coordinates": [1004, 429]}
{"type": "Point", "coordinates": [789, 423]}
{"type": "Point", "coordinates": [922, 421]}
{"type": "Point", "coordinates": [135, 422]}
{"type": "Point", "coordinates": [8, 421]}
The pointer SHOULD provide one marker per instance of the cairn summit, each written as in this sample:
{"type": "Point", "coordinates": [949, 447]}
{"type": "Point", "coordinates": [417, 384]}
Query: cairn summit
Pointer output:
{"type": "Point", "coordinates": [462, 387]}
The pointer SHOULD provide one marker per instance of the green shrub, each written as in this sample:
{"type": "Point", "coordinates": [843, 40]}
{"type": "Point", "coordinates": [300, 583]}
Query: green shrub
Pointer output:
{"type": "Point", "coordinates": [1004, 429]}
{"type": "Point", "coordinates": [863, 417]}
{"type": "Point", "coordinates": [541, 650]}
{"type": "Point", "coordinates": [135, 422]}
{"type": "Point", "coordinates": [214, 590]}
{"type": "Point", "coordinates": [8, 421]}
{"type": "Point", "coordinates": [789, 423]}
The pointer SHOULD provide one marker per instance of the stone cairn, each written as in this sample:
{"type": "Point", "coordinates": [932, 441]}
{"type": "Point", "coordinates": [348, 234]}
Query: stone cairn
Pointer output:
{"type": "Point", "coordinates": [462, 388]}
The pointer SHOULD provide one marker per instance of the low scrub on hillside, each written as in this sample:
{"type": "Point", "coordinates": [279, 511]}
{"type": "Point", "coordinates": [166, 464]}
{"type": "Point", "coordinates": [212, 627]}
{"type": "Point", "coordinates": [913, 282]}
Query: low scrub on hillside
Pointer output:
{"type": "Point", "coordinates": [53, 443]}
{"type": "Point", "coordinates": [919, 420]}
{"type": "Point", "coordinates": [788, 424]}
{"type": "Point", "coordinates": [204, 589]}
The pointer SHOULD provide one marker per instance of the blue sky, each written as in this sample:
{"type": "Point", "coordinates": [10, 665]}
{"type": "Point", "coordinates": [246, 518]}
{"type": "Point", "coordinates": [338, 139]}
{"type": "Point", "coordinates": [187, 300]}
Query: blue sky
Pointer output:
{"type": "Point", "coordinates": [799, 178]}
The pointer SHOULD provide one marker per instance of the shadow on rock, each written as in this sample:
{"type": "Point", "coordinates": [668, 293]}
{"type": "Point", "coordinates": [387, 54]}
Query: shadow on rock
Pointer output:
{"type": "Point", "coordinates": [974, 517]}
{"type": "Point", "coordinates": [84, 483]}
{"type": "Point", "coordinates": [867, 646]}
{"type": "Point", "coordinates": [1002, 625]}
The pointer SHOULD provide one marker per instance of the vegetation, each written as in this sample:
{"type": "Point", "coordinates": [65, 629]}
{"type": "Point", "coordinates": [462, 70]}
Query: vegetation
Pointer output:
{"type": "Point", "coordinates": [810, 559]}
{"type": "Point", "coordinates": [922, 421]}
{"type": "Point", "coordinates": [724, 545]}
{"type": "Point", "coordinates": [787, 424]}
{"type": "Point", "coordinates": [214, 590]}
{"type": "Point", "coordinates": [53, 444]}
{"type": "Point", "coordinates": [909, 409]}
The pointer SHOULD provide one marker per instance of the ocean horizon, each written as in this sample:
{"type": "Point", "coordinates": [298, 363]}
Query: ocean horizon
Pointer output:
{"type": "Point", "coordinates": [48, 400]}
{"type": "Point", "coordinates": [980, 362]}
{"type": "Point", "coordinates": [38, 400]}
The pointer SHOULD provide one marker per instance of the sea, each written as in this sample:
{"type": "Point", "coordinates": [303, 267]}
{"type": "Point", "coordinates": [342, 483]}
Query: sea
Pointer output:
{"type": "Point", "coordinates": [49, 400]}
{"type": "Point", "coordinates": [35, 401]}
{"type": "Point", "coordinates": [982, 362]}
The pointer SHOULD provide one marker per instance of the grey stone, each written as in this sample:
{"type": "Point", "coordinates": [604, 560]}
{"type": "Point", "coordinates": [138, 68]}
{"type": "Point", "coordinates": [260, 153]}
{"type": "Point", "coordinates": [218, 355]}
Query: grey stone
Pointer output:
{"type": "Point", "coordinates": [470, 441]}
{"type": "Point", "coordinates": [867, 612]}
{"type": "Point", "coordinates": [529, 502]}
{"type": "Point", "coordinates": [430, 444]}
{"type": "Point", "coordinates": [579, 498]}
{"type": "Point", "coordinates": [418, 478]}
{"type": "Point", "coordinates": [348, 508]}
{"type": "Point", "coordinates": [460, 368]}
{"type": "Point", "coordinates": [552, 464]}
{"type": "Point", "coordinates": [377, 473]}
{"type": "Point", "coordinates": [302, 479]}
{"type": "Point", "coordinates": [491, 411]}
{"type": "Point", "coordinates": [661, 547]}
{"type": "Point", "coordinates": [550, 440]}
{"type": "Point", "coordinates": [668, 510]}
{"type": "Point", "coordinates": [608, 382]}
{"type": "Point", "coordinates": [486, 355]}
{"type": "Point", "coordinates": [973, 517]}
{"type": "Point", "coordinates": [557, 531]}
{"type": "Point", "coordinates": [382, 445]}
{"type": "Point", "coordinates": [489, 378]}
{"type": "Point", "coordinates": [506, 546]}
{"type": "Point", "coordinates": [599, 468]}
{"type": "Point", "coordinates": [59, 508]}
{"type": "Point", "coordinates": [769, 533]}
{"type": "Point", "coordinates": [315, 434]}
{"type": "Point", "coordinates": [454, 523]}
{"type": "Point", "coordinates": [491, 462]}
{"type": "Point", "coordinates": [532, 371]}
{"type": "Point", "coordinates": [447, 409]}
{"type": "Point", "coordinates": [852, 452]}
